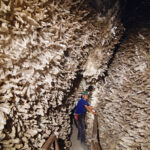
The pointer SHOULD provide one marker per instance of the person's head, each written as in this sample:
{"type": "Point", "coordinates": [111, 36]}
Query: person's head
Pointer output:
{"type": "Point", "coordinates": [85, 95]}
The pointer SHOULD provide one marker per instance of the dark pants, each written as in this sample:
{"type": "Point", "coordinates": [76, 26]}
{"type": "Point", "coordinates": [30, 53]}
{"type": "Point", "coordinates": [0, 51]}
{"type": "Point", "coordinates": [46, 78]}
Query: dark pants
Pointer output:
{"type": "Point", "coordinates": [81, 128]}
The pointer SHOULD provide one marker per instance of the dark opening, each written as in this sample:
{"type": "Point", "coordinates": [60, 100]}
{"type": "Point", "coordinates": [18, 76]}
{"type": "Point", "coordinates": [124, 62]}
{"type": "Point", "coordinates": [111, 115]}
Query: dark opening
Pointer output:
{"type": "Point", "coordinates": [136, 13]}
{"type": "Point", "coordinates": [61, 144]}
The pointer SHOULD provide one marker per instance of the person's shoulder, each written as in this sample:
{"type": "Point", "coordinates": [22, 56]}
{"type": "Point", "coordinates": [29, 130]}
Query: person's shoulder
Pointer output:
{"type": "Point", "coordinates": [80, 100]}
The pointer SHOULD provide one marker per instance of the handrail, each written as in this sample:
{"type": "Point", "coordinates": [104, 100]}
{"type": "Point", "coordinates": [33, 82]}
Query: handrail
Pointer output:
{"type": "Point", "coordinates": [49, 142]}
{"type": "Point", "coordinates": [95, 145]}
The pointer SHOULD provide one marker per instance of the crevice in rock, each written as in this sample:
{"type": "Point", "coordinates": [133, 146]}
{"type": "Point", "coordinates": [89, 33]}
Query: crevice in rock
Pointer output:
{"type": "Point", "coordinates": [129, 16]}
{"type": "Point", "coordinates": [61, 143]}
{"type": "Point", "coordinates": [117, 46]}
{"type": "Point", "coordinates": [75, 84]}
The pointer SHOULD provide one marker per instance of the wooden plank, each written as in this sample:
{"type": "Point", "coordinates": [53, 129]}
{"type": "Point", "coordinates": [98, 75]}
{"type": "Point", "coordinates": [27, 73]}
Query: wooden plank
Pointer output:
{"type": "Point", "coordinates": [56, 145]}
{"type": "Point", "coordinates": [94, 142]}
{"type": "Point", "coordinates": [49, 142]}
{"type": "Point", "coordinates": [94, 136]}
{"type": "Point", "coordinates": [95, 146]}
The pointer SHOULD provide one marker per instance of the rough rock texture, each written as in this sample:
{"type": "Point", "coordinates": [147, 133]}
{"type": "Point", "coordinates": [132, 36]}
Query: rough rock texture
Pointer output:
{"type": "Point", "coordinates": [124, 99]}
{"type": "Point", "coordinates": [43, 47]}
{"type": "Point", "coordinates": [122, 96]}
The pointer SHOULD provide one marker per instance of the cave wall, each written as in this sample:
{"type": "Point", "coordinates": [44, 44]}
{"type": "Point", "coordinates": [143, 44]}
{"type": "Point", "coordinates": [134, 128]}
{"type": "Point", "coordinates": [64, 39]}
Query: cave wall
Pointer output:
{"type": "Point", "coordinates": [122, 96]}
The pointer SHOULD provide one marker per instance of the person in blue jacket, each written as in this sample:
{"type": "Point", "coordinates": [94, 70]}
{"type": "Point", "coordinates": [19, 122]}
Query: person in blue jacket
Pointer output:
{"type": "Point", "coordinates": [80, 110]}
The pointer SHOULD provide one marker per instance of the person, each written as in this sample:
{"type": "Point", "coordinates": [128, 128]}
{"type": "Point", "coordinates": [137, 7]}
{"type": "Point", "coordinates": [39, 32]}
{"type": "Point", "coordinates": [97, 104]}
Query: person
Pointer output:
{"type": "Point", "coordinates": [79, 115]}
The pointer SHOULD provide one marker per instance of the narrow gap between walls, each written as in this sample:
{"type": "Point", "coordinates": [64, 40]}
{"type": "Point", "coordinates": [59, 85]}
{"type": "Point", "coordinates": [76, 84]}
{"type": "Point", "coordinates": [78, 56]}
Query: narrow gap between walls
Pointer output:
{"type": "Point", "coordinates": [117, 46]}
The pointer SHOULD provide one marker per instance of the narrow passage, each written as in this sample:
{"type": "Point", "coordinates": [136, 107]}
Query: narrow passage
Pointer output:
{"type": "Point", "coordinates": [76, 144]}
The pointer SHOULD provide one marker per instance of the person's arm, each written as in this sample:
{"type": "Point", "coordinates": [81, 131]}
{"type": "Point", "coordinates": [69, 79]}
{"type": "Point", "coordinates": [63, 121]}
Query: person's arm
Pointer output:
{"type": "Point", "coordinates": [93, 109]}
{"type": "Point", "coordinates": [90, 109]}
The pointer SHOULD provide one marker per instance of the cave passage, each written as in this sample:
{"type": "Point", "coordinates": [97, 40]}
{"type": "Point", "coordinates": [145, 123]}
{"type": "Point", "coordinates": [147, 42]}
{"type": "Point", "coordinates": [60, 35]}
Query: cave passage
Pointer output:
{"type": "Point", "coordinates": [135, 14]}
{"type": "Point", "coordinates": [76, 144]}
{"type": "Point", "coordinates": [50, 50]}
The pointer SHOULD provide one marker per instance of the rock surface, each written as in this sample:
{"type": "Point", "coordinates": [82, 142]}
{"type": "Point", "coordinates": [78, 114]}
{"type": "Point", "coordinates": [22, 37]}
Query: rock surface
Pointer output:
{"type": "Point", "coordinates": [124, 98]}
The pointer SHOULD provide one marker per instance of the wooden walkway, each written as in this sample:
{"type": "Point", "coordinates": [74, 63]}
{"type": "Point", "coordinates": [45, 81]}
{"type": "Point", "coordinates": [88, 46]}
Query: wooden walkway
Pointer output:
{"type": "Point", "coordinates": [76, 145]}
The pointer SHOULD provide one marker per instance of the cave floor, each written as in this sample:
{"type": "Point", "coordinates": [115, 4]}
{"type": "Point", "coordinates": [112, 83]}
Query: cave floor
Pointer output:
{"type": "Point", "coordinates": [76, 144]}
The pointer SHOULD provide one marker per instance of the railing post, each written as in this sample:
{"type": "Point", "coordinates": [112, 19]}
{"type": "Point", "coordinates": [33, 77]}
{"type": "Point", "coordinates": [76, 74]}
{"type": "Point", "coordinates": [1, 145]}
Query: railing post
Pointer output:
{"type": "Point", "coordinates": [56, 145]}
{"type": "Point", "coordinates": [95, 145]}
{"type": "Point", "coordinates": [49, 142]}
